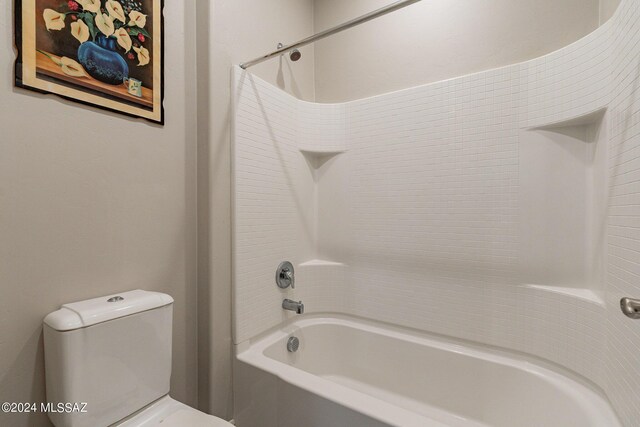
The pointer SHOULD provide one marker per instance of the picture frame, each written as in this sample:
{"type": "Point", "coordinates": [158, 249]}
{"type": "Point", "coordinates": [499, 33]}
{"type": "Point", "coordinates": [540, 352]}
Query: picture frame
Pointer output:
{"type": "Point", "coordinates": [105, 53]}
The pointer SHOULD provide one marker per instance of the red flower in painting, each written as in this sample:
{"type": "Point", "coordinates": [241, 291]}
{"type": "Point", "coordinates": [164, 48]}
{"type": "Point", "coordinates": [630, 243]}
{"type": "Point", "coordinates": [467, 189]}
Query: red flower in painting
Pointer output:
{"type": "Point", "coordinates": [73, 5]}
{"type": "Point", "coordinates": [141, 37]}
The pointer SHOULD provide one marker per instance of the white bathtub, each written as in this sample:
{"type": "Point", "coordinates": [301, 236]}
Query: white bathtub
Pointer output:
{"type": "Point", "coordinates": [350, 372]}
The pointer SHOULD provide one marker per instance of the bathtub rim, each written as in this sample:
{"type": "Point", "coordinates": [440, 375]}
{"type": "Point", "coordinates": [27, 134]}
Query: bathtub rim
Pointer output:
{"type": "Point", "coordinates": [252, 352]}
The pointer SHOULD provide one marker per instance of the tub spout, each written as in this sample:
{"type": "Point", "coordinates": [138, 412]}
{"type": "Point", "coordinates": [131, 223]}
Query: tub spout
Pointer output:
{"type": "Point", "coordinates": [291, 305]}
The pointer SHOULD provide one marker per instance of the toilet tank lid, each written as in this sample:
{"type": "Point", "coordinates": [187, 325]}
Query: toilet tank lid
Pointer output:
{"type": "Point", "coordinates": [81, 314]}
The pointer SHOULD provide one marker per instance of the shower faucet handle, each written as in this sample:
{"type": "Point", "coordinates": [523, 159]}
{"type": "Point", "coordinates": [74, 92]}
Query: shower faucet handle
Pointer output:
{"type": "Point", "coordinates": [630, 307]}
{"type": "Point", "coordinates": [285, 275]}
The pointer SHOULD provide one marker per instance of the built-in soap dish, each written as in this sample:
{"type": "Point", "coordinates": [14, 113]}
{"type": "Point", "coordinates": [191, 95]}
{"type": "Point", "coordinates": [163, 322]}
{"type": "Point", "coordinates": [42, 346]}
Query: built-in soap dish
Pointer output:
{"type": "Point", "coordinates": [585, 127]}
{"type": "Point", "coordinates": [317, 158]}
{"type": "Point", "coordinates": [320, 263]}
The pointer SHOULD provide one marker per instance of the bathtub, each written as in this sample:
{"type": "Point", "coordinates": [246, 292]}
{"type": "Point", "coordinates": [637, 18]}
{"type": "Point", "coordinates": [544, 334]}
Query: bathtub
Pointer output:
{"type": "Point", "coordinates": [351, 372]}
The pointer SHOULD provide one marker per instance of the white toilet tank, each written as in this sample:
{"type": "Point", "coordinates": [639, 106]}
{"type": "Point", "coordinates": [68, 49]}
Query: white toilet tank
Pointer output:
{"type": "Point", "coordinates": [112, 353]}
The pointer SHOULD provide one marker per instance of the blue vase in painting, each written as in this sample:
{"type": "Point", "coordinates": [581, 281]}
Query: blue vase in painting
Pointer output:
{"type": "Point", "coordinates": [101, 60]}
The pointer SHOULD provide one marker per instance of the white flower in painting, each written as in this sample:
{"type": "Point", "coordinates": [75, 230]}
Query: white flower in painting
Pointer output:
{"type": "Point", "coordinates": [116, 11]}
{"type": "Point", "coordinates": [138, 19]}
{"type": "Point", "coordinates": [105, 24]}
{"type": "Point", "coordinates": [53, 20]}
{"type": "Point", "coordinates": [90, 5]}
{"type": "Point", "coordinates": [71, 67]}
{"type": "Point", "coordinates": [143, 56]}
{"type": "Point", "coordinates": [80, 31]}
{"type": "Point", "coordinates": [52, 58]}
{"type": "Point", "coordinates": [124, 39]}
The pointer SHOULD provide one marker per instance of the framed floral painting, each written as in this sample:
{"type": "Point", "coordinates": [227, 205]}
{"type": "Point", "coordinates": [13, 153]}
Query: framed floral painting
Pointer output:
{"type": "Point", "coordinates": [105, 53]}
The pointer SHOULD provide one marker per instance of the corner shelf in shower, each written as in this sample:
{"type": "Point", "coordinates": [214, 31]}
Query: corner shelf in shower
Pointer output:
{"type": "Point", "coordinates": [318, 157]}
{"type": "Point", "coordinates": [583, 127]}
{"type": "Point", "coordinates": [322, 153]}
{"type": "Point", "coordinates": [587, 295]}
{"type": "Point", "coordinates": [321, 263]}
{"type": "Point", "coordinates": [564, 190]}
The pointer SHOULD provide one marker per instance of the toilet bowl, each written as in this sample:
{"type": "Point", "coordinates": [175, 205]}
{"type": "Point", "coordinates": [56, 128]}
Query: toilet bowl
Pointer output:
{"type": "Point", "coordinates": [112, 356]}
{"type": "Point", "coordinates": [167, 412]}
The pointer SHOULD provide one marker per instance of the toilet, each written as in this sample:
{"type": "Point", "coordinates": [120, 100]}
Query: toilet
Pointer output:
{"type": "Point", "coordinates": [110, 358]}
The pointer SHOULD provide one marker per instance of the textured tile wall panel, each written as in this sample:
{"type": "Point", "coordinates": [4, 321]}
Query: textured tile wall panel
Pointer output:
{"type": "Point", "coordinates": [275, 202]}
{"type": "Point", "coordinates": [435, 218]}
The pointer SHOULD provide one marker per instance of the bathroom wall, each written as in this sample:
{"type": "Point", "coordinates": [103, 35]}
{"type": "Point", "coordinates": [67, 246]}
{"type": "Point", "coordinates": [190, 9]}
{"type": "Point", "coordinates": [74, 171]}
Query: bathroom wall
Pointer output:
{"type": "Point", "coordinates": [276, 166]}
{"type": "Point", "coordinates": [607, 9]}
{"type": "Point", "coordinates": [231, 32]}
{"type": "Point", "coordinates": [93, 203]}
{"type": "Point", "coordinates": [439, 197]}
{"type": "Point", "coordinates": [440, 187]}
{"type": "Point", "coordinates": [438, 39]}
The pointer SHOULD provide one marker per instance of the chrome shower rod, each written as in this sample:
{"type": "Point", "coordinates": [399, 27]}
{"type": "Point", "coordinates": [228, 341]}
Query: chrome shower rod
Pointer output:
{"type": "Point", "coordinates": [331, 31]}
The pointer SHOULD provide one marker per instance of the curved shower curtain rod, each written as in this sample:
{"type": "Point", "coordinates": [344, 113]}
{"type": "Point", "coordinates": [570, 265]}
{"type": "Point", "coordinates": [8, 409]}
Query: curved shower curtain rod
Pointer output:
{"type": "Point", "coordinates": [331, 31]}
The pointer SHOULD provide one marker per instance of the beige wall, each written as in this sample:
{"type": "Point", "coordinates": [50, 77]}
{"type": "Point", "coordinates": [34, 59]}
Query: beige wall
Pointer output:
{"type": "Point", "coordinates": [239, 31]}
{"type": "Point", "coordinates": [438, 39]}
{"type": "Point", "coordinates": [93, 203]}
{"type": "Point", "coordinates": [607, 9]}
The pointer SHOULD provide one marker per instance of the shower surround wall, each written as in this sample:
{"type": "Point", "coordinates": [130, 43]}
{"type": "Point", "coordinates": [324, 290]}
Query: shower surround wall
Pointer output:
{"type": "Point", "coordinates": [479, 207]}
{"type": "Point", "coordinates": [275, 201]}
